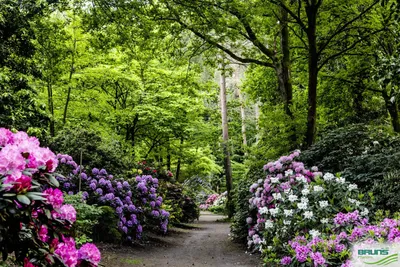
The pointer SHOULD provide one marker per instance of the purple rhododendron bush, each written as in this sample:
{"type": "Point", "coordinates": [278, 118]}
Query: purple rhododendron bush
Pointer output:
{"type": "Point", "coordinates": [302, 217]}
{"type": "Point", "coordinates": [34, 222]}
{"type": "Point", "coordinates": [135, 200]}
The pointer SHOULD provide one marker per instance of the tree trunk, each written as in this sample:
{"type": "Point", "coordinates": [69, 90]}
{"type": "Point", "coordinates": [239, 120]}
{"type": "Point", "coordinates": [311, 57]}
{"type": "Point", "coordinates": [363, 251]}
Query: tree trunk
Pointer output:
{"type": "Point", "coordinates": [257, 116]}
{"type": "Point", "coordinates": [51, 107]}
{"type": "Point", "coordinates": [284, 69]}
{"type": "Point", "coordinates": [283, 73]}
{"type": "Point", "coordinates": [225, 145]}
{"type": "Point", "coordinates": [71, 72]}
{"type": "Point", "coordinates": [168, 156]}
{"type": "Point", "coordinates": [178, 165]}
{"type": "Point", "coordinates": [393, 110]}
{"type": "Point", "coordinates": [312, 74]}
{"type": "Point", "coordinates": [242, 115]}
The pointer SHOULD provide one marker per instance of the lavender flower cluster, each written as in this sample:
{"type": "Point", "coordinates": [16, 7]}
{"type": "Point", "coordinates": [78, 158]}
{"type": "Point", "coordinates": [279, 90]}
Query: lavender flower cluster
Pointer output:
{"type": "Point", "coordinates": [134, 202]}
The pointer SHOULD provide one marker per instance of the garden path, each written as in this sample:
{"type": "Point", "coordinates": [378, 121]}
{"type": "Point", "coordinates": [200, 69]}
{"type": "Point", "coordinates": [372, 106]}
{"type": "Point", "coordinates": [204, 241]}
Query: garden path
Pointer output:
{"type": "Point", "coordinates": [207, 244]}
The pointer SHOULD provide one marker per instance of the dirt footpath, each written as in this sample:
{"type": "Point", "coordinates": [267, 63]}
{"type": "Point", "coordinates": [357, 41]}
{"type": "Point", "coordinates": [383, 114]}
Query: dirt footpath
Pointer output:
{"type": "Point", "coordinates": [206, 245]}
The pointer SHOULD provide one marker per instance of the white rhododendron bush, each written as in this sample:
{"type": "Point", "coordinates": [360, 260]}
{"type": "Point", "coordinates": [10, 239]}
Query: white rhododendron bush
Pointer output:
{"type": "Point", "coordinates": [294, 201]}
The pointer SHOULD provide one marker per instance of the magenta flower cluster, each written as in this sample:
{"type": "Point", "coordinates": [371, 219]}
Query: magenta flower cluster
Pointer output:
{"type": "Point", "coordinates": [134, 202]}
{"type": "Point", "coordinates": [28, 183]}
{"type": "Point", "coordinates": [337, 246]}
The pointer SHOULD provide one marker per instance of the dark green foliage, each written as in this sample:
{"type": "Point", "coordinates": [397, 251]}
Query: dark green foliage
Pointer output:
{"type": "Point", "coordinates": [19, 108]}
{"type": "Point", "coordinates": [95, 149]}
{"type": "Point", "coordinates": [106, 230]}
{"type": "Point", "coordinates": [338, 149]}
{"type": "Point", "coordinates": [182, 208]}
{"type": "Point", "coordinates": [239, 227]}
{"type": "Point", "coordinates": [363, 154]}
{"type": "Point", "coordinates": [388, 191]}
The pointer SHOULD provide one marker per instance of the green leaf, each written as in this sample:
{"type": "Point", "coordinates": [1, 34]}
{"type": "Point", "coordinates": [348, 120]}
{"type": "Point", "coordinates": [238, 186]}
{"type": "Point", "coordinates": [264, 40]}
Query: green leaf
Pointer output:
{"type": "Point", "coordinates": [35, 196]}
{"type": "Point", "coordinates": [24, 199]}
{"type": "Point", "coordinates": [53, 181]}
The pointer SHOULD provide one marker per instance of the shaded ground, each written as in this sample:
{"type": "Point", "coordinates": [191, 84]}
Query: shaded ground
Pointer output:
{"type": "Point", "coordinates": [206, 245]}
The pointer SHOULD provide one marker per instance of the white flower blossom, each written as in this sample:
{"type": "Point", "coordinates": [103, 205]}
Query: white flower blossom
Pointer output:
{"type": "Point", "coordinates": [358, 203]}
{"type": "Point", "coordinates": [365, 212]}
{"type": "Point", "coordinates": [293, 198]}
{"type": "Point", "coordinates": [260, 181]}
{"type": "Point", "coordinates": [305, 192]}
{"type": "Point", "coordinates": [328, 176]}
{"type": "Point", "coordinates": [287, 191]}
{"type": "Point", "coordinates": [304, 200]}
{"type": "Point", "coordinates": [325, 220]}
{"type": "Point", "coordinates": [274, 180]}
{"type": "Point", "coordinates": [288, 172]}
{"type": "Point", "coordinates": [288, 213]}
{"type": "Point", "coordinates": [301, 178]}
{"type": "Point", "coordinates": [269, 224]}
{"type": "Point", "coordinates": [286, 222]}
{"type": "Point", "coordinates": [352, 187]}
{"type": "Point", "coordinates": [263, 210]}
{"type": "Point", "coordinates": [352, 200]}
{"type": "Point", "coordinates": [323, 204]}
{"type": "Point", "coordinates": [318, 188]}
{"type": "Point", "coordinates": [308, 214]}
{"type": "Point", "coordinates": [340, 180]}
{"type": "Point", "coordinates": [277, 196]}
{"type": "Point", "coordinates": [274, 212]}
{"type": "Point", "coordinates": [269, 247]}
{"type": "Point", "coordinates": [302, 205]}
{"type": "Point", "coordinates": [314, 233]}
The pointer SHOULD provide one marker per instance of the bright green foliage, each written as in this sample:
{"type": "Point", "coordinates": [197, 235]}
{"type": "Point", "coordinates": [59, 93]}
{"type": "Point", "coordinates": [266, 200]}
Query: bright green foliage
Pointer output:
{"type": "Point", "coordinates": [88, 216]}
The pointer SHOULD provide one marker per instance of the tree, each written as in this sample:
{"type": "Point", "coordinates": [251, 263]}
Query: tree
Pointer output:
{"type": "Point", "coordinates": [225, 143]}
{"type": "Point", "coordinates": [346, 30]}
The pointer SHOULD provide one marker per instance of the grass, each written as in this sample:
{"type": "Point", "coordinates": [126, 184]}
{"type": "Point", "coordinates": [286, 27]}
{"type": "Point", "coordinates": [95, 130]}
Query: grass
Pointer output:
{"type": "Point", "coordinates": [132, 261]}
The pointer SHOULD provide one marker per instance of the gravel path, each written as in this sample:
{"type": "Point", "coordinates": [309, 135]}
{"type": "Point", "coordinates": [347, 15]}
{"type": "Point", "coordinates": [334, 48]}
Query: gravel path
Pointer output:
{"type": "Point", "coordinates": [206, 245]}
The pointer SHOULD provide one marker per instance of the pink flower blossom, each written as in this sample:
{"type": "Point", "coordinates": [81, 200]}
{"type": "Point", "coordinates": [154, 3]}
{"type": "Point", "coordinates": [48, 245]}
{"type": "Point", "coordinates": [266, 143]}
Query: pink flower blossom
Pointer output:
{"type": "Point", "coordinates": [6, 137]}
{"type": "Point", "coordinates": [67, 252]}
{"type": "Point", "coordinates": [90, 253]}
{"type": "Point", "coordinates": [43, 231]}
{"type": "Point", "coordinates": [54, 197]}
{"type": "Point", "coordinates": [67, 212]}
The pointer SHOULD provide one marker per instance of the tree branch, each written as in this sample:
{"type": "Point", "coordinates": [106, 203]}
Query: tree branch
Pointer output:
{"type": "Point", "coordinates": [344, 27]}
{"type": "Point", "coordinates": [347, 49]}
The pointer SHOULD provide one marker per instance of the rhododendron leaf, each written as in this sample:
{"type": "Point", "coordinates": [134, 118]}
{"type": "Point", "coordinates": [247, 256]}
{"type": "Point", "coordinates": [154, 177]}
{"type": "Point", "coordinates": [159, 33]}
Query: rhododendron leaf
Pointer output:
{"type": "Point", "coordinates": [9, 195]}
{"type": "Point", "coordinates": [48, 214]}
{"type": "Point", "coordinates": [35, 196]}
{"type": "Point", "coordinates": [59, 175]}
{"type": "Point", "coordinates": [50, 259]}
{"type": "Point", "coordinates": [24, 199]}
{"type": "Point", "coordinates": [26, 173]}
{"type": "Point", "coordinates": [53, 180]}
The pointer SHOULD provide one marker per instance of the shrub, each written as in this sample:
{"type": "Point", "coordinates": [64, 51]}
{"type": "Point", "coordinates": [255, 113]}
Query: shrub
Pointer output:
{"type": "Point", "coordinates": [135, 200]}
{"type": "Point", "coordinates": [335, 249]}
{"type": "Point", "coordinates": [293, 199]}
{"type": "Point", "coordinates": [96, 149]}
{"type": "Point", "coordinates": [87, 217]}
{"type": "Point", "coordinates": [364, 154]}
{"type": "Point", "coordinates": [107, 230]}
{"type": "Point", "coordinates": [239, 227]}
{"type": "Point", "coordinates": [34, 222]}
{"type": "Point", "coordinates": [215, 203]}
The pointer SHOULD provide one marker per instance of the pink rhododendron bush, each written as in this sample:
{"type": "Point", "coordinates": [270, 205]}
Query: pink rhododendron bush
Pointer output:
{"type": "Point", "coordinates": [293, 204]}
{"type": "Point", "coordinates": [34, 222]}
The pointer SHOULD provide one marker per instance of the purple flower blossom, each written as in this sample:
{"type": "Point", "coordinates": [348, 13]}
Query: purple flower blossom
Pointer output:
{"type": "Point", "coordinates": [286, 260]}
